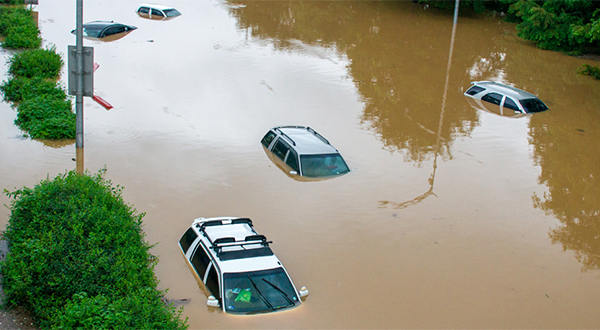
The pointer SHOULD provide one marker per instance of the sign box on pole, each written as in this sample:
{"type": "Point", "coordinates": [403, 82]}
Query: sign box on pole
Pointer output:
{"type": "Point", "coordinates": [88, 71]}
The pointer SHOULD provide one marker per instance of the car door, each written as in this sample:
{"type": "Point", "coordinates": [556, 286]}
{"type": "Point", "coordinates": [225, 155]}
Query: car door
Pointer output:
{"type": "Point", "coordinates": [280, 149]}
{"type": "Point", "coordinates": [200, 261]}
{"type": "Point", "coordinates": [510, 107]}
{"type": "Point", "coordinates": [492, 102]}
{"type": "Point", "coordinates": [211, 281]}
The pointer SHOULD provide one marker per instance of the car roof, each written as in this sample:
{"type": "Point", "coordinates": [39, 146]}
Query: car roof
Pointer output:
{"type": "Point", "coordinates": [306, 141]}
{"type": "Point", "coordinates": [156, 6]}
{"type": "Point", "coordinates": [507, 90]}
{"type": "Point", "coordinates": [100, 23]}
{"type": "Point", "coordinates": [238, 256]}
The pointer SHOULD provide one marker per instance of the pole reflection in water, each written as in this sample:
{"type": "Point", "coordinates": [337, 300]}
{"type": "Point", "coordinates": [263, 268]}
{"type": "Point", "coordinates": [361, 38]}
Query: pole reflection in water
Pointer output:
{"type": "Point", "coordinates": [431, 179]}
{"type": "Point", "coordinates": [79, 159]}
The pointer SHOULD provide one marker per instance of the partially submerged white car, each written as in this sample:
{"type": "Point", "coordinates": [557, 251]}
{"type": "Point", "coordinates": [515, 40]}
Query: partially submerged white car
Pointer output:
{"type": "Point", "coordinates": [503, 99]}
{"type": "Point", "coordinates": [156, 11]}
{"type": "Point", "coordinates": [237, 266]}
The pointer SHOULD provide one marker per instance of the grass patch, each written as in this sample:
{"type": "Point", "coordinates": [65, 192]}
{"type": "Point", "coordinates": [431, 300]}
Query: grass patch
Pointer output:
{"type": "Point", "coordinates": [78, 258]}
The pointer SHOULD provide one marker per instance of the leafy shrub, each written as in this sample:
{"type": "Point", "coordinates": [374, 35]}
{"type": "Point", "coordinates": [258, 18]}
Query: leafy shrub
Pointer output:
{"type": "Point", "coordinates": [45, 63]}
{"type": "Point", "coordinates": [23, 37]}
{"type": "Point", "coordinates": [17, 89]}
{"type": "Point", "coordinates": [78, 256]}
{"type": "Point", "coordinates": [11, 2]}
{"type": "Point", "coordinates": [17, 25]}
{"type": "Point", "coordinates": [140, 310]}
{"type": "Point", "coordinates": [589, 70]}
{"type": "Point", "coordinates": [47, 117]}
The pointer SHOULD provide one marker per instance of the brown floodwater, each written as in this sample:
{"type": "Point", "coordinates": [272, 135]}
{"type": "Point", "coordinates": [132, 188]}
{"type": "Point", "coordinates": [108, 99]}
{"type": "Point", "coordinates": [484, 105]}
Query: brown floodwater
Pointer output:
{"type": "Point", "coordinates": [451, 218]}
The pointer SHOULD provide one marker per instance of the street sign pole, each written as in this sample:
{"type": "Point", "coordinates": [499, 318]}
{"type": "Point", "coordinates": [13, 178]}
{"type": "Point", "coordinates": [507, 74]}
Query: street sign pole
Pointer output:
{"type": "Point", "coordinates": [79, 75]}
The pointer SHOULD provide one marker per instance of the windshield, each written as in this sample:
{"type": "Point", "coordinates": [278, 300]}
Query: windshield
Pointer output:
{"type": "Point", "coordinates": [323, 165]}
{"type": "Point", "coordinates": [92, 31]}
{"type": "Point", "coordinates": [171, 12]}
{"type": "Point", "coordinates": [258, 292]}
{"type": "Point", "coordinates": [533, 105]}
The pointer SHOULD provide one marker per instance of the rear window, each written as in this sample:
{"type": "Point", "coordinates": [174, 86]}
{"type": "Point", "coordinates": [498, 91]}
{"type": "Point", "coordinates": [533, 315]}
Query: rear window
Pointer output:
{"type": "Point", "coordinates": [266, 141]}
{"type": "Point", "coordinates": [533, 105]}
{"type": "Point", "coordinates": [187, 239]}
{"type": "Point", "coordinates": [475, 90]}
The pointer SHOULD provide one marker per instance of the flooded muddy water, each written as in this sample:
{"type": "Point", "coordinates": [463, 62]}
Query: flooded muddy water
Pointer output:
{"type": "Point", "coordinates": [452, 217]}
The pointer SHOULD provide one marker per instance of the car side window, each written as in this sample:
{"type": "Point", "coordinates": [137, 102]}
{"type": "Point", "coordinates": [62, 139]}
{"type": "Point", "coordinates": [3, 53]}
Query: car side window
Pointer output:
{"type": "Point", "coordinates": [494, 98]}
{"type": "Point", "coordinates": [292, 160]}
{"type": "Point", "coordinates": [157, 13]}
{"type": "Point", "coordinates": [212, 282]}
{"type": "Point", "coordinates": [144, 10]}
{"type": "Point", "coordinates": [280, 149]}
{"type": "Point", "coordinates": [266, 141]}
{"type": "Point", "coordinates": [200, 261]}
{"type": "Point", "coordinates": [188, 238]}
{"type": "Point", "coordinates": [509, 103]}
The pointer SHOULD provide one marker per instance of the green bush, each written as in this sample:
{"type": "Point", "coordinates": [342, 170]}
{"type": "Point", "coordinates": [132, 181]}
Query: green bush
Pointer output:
{"type": "Point", "coordinates": [589, 70]}
{"type": "Point", "coordinates": [17, 25]}
{"type": "Point", "coordinates": [45, 63]}
{"type": "Point", "coordinates": [78, 257]}
{"type": "Point", "coordinates": [46, 117]}
{"type": "Point", "coordinates": [140, 310]}
{"type": "Point", "coordinates": [17, 89]}
{"type": "Point", "coordinates": [11, 2]}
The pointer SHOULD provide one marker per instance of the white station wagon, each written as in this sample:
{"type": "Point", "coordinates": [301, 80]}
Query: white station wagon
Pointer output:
{"type": "Point", "coordinates": [237, 266]}
{"type": "Point", "coordinates": [503, 99]}
{"type": "Point", "coordinates": [155, 11]}
{"type": "Point", "coordinates": [302, 152]}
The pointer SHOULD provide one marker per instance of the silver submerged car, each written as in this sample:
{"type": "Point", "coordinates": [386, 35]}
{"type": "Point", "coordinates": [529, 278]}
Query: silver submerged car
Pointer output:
{"type": "Point", "coordinates": [301, 151]}
{"type": "Point", "coordinates": [503, 99]}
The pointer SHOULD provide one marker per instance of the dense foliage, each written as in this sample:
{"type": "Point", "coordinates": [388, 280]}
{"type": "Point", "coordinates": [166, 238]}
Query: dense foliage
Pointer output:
{"type": "Point", "coordinates": [78, 258]}
{"type": "Point", "coordinates": [18, 28]}
{"type": "Point", "coordinates": [45, 63]}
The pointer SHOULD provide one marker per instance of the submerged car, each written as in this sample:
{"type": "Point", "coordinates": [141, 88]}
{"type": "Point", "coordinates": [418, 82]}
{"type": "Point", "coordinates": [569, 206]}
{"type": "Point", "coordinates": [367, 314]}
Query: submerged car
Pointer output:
{"type": "Point", "coordinates": [301, 151]}
{"type": "Point", "coordinates": [503, 99]}
{"type": "Point", "coordinates": [102, 29]}
{"type": "Point", "coordinates": [237, 266]}
{"type": "Point", "coordinates": [155, 11]}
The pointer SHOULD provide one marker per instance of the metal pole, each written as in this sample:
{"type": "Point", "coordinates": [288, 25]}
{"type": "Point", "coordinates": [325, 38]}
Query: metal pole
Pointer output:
{"type": "Point", "coordinates": [79, 75]}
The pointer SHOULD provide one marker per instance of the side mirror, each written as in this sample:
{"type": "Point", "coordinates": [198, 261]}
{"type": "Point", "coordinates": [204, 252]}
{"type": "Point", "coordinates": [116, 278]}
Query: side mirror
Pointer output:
{"type": "Point", "coordinates": [303, 292]}
{"type": "Point", "coordinates": [212, 302]}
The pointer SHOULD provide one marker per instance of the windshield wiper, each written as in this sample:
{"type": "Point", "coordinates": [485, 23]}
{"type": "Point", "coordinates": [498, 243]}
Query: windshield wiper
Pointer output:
{"type": "Point", "coordinates": [280, 291]}
{"type": "Point", "coordinates": [260, 294]}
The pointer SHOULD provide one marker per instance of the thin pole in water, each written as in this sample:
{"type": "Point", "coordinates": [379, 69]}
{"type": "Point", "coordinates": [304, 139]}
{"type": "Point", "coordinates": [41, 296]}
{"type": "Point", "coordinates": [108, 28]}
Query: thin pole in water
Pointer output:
{"type": "Point", "coordinates": [79, 74]}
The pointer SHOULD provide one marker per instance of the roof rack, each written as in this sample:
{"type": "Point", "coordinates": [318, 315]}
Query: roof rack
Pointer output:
{"type": "Point", "coordinates": [285, 135]}
{"type": "Point", "coordinates": [317, 134]}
